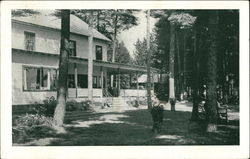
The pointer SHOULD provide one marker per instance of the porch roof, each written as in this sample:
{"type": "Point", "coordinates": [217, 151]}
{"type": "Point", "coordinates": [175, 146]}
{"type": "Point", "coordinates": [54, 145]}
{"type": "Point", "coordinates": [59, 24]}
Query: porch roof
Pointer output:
{"type": "Point", "coordinates": [113, 67]}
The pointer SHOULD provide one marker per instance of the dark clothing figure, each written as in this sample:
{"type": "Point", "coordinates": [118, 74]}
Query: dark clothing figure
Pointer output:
{"type": "Point", "coordinates": [157, 115]}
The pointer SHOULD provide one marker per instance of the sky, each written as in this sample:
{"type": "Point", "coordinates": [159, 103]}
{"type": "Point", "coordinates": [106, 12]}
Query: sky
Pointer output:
{"type": "Point", "coordinates": [129, 37]}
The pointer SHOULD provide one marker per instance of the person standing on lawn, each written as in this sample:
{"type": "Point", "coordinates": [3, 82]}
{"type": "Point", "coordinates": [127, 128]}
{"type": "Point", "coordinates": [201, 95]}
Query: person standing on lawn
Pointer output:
{"type": "Point", "coordinates": [157, 115]}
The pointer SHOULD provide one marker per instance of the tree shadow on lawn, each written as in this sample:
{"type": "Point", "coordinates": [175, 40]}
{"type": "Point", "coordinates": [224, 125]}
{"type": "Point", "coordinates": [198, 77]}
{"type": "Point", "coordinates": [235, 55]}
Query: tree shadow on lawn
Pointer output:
{"type": "Point", "coordinates": [134, 128]}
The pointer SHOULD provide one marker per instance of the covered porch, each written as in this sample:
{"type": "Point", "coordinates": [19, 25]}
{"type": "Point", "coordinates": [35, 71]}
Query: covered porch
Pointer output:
{"type": "Point", "coordinates": [103, 85]}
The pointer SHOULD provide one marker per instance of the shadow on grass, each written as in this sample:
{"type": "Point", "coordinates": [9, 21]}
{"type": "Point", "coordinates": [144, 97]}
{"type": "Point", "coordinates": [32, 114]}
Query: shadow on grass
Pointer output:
{"type": "Point", "coordinates": [134, 128]}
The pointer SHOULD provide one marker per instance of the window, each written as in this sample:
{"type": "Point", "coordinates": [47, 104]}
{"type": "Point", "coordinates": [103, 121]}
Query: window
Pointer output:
{"type": "Point", "coordinates": [82, 81]}
{"type": "Point", "coordinates": [35, 78]}
{"type": "Point", "coordinates": [29, 41]}
{"type": "Point", "coordinates": [98, 51]}
{"type": "Point", "coordinates": [72, 48]}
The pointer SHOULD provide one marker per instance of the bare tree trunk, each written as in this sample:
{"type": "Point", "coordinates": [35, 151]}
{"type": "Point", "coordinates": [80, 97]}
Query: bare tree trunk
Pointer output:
{"type": "Point", "coordinates": [196, 70]}
{"type": "Point", "coordinates": [98, 20]}
{"type": "Point", "coordinates": [171, 67]}
{"type": "Point", "coordinates": [226, 82]}
{"type": "Point", "coordinates": [211, 101]}
{"type": "Point", "coordinates": [63, 72]}
{"type": "Point", "coordinates": [90, 59]}
{"type": "Point", "coordinates": [179, 67]}
{"type": "Point", "coordinates": [184, 63]}
{"type": "Point", "coordinates": [148, 63]}
{"type": "Point", "coordinates": [114, 46]}
{"type": "Point", "coordinates": [114, 41]}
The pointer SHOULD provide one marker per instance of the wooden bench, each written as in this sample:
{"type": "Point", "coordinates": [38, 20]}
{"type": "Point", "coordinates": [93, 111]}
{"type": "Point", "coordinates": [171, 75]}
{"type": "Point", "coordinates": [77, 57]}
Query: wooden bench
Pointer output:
{"type": "Point", "coordinates": [222, 111]}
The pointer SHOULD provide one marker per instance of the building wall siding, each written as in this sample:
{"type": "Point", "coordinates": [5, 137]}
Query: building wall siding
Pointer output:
{"type": "Point", "coordinates": [20, 97]}
{"type": "Point", "coordinates": [48, 41]}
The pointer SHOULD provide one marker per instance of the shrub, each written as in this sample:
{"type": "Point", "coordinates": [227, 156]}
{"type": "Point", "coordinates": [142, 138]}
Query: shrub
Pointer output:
{"type": "Point", "coordinates": [33, 119]}
{"type": "Point", "coordinates": [72, 105]}
{"type": "Point", "coordinates": [47, 108]}
{"type": "Point", "coordinates": [143, 102]}
{"type": "Point", "coordinates": [49, 105]}
{"type": "Point", "coordinates": [30, 126]}
{"type": "Point", "coordinates": [81, 106]}
{"type": "Point", "coordinates": [133, 103]}
{"type": "Point", "coordinates": [86, 105]}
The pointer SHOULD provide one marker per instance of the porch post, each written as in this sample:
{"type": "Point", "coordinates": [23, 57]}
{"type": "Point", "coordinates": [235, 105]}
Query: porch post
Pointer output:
{"type": "Point", "coordinates": [24, 79]}
{"type": "Point", "coordinates": [112, 80]}
{"type": "Point", "coordinates": [48, 77]}
{"type": "Point", "coordinates": [119, 82]}
{"type": "Point", "coordinates": [137, 86]}
{"type": "Point", "coordinates": [90, 62]}
{"type": "Point", "coordinates": [76, 80]}
{"type": "Point", "coordinates": [102, 81]}
{"type": "Point", "coordinates": [106, 79]}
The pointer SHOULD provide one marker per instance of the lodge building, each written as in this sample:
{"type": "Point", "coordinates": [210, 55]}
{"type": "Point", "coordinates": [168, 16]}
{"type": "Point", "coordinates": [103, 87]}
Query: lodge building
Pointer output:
{"type": "Point", "coordinates": [35, 61]}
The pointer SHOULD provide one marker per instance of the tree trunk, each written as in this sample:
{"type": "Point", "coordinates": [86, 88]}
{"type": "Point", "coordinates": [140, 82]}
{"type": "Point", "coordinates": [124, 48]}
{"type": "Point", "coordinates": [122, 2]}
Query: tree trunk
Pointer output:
{"type": "Point", "coordinates": [211, 101]}
{"type": "Point", "coordinates": [148, 63]}
{"type": "Point", "coordinates": [98, 21]}
{"type": "Point", "coordinates": [90, 59]}
{"type": "Point", "coordinates": [171, 67]}
{"type": "Point", "coordinates": [225, 78]}
{"type": "Point", "coordinates": [179, 67]}
{"type": "Point", "coordinates": [114, 46]}
{"type": "Point", "coordinates": [63, 71]}
{"type": "Point", "coordinates": [184, 64]}
{"type": "Point", "coordinates": [114, 39]}
{"type": "Point", "coordinates": [196, 82]}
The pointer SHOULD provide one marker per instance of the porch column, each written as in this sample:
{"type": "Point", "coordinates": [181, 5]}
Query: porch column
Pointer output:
{"type": "Point", "coordinates": [106, 80]}
{"type": "Point", "coordinates": [48, 81]}
{"type": "Point", "coordinates": [102, 81]}
{"type": "Point", "coordinates": [90, 61]}
{"type": "Point", "coordinates": [24, 79]}
{"type": "Point", "coordinates": [112, 80]}
{"type": "Point", "coordinates": [76, 80]}
{"type": "Point", "coordinates": [137, 86]}
{"type": "Point", "coordinates": [119, 82]}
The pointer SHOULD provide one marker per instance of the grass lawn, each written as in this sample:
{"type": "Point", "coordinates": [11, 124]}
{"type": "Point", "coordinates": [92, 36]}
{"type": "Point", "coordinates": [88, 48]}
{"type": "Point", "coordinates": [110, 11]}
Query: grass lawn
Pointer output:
{"type": "Point", "coordinates": [134, 128]}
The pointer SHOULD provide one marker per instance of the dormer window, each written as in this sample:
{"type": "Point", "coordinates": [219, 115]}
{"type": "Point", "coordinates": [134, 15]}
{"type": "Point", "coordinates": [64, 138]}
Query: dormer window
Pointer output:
{"type": "Point", "coordinates": [72, 48]}
{"type": "Point", "coordinates": [29, 41]}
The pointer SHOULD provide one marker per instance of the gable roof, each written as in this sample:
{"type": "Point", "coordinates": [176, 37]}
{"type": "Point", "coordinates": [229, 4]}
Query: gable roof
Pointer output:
{"type": "Point", "coordinates": [47, 20]}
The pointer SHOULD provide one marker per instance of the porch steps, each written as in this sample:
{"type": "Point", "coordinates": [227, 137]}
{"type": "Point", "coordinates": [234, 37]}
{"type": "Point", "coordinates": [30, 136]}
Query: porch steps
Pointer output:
{"type": "Point", "coordinates": [119, 104]}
